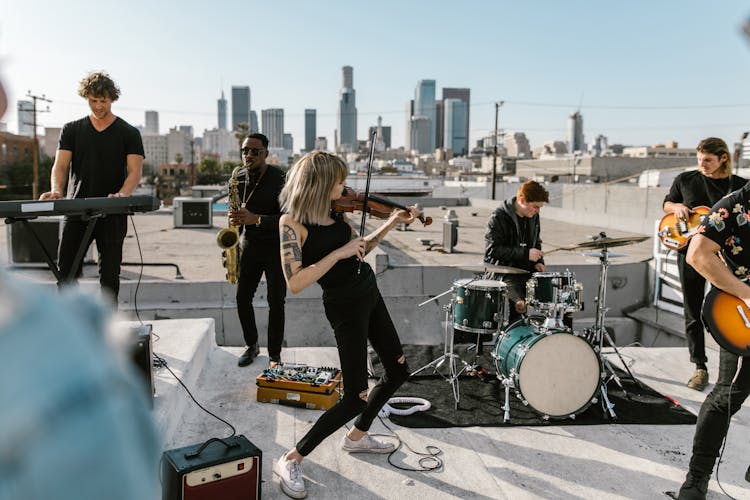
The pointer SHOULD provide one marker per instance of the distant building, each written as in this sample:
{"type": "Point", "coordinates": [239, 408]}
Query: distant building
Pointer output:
{"type": "Point", "coordinates": [254, 128]}
{"type": "Point", "coordinates": [51, 141]}
{"type": "Point", "coordinates": [272, 126]}
{"type": "Point", "coordinates": [152, 123]}
{"type": "Point", "coordinates": [517, 145]}
{"type": "Point", "coordinates": [155, 150]}
{"type": "Point", "coordinates": [421, 134]}
{"type": "Point", "coordinates": [464, 95]}
{"type": "Point", "coordinates": [288, 142]}
{"type": "Point", "coordinates": [407, 128]}
{"type": "Point", "coordinates": [599, 146]}
{"type": "Point", "coordinates": [424, 107]}
{"type": "Point", "coordinates": [384, 133]}
{"type": "Point", "coordinates": [179, 147]}
{"type": "Point", "coordinates": [26, 118]}
{"type": "Point", "coordinates": [14, 148]}
{"type": "Point", "coordinates": [347, 112]}
{"type": "Point", "coordinates": [221, 106]}
{"type": "Point", "coordinates": [575, 133]}
{"type": "Point", "coordinates": [220, 144]}
{"type": "Point", "coordinates": [321, 144]}
{"type": "Point", "coordinates": [659, 151]}
{"type": "Point", "coordinates": [310, 129]}
{"type": "Point", "coordinates": [454, 136]}
{"type": "Point", "coordinates": [240, 106]}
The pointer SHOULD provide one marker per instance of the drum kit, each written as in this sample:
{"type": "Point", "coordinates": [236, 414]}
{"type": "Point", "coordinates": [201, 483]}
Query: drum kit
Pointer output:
{"type": "Point", "coordinates": [552, 369]}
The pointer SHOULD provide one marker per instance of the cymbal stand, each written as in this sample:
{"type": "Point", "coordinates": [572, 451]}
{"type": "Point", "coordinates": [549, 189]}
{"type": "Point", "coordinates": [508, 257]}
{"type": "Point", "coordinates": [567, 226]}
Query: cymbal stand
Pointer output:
{"type": "Point", "coordinates": [600, 333]}
{"type": "Point", "coordinates": [452, 358]}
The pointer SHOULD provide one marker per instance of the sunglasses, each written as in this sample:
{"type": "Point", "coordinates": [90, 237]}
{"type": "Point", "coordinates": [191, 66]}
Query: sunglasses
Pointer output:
{"type": "Point", "coordinates": [254, 151]}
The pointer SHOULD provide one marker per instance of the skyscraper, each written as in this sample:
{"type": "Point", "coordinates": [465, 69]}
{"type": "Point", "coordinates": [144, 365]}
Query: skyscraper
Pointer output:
{"type": "Point", "coordinates": [464, 95]}
{"type": "Point", "coordinates": [347, 113]}
{"type": "Point", "coordinates": [421, 134]}
{"type": "Point", "coordinates": [424, 106]}
{"type": "Point", "coordinates": [454, 137]}
{"type": "Point", "coordinates": [222, 110]}
{"type": "Point", "coordinates": [575, 133]}
{"type": "Point", "coordinates": [310, 129]}
{"type": "Point", "coordinates": [254, 122]}
{"type": "Point", "coordinates": [240, 106]}
{"type": "Point", "coordinates": [272, 126]}
{"type": "Point", "coordinates": [26, 118]}
{"type": "Point", "coordinates": [152, 123]}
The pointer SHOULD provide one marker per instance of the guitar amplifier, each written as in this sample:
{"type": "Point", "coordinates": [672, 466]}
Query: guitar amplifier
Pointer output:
{"type": "Point", "coordinates": [227, 469]}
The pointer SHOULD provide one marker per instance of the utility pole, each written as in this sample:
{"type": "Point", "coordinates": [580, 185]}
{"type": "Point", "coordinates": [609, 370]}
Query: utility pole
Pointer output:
{"type": "Point", "coordinates": [738, 156]}
{"type": "Point", "coordinates": [35, 150]}
{"type": "Point", "coordinates": [494, 152]}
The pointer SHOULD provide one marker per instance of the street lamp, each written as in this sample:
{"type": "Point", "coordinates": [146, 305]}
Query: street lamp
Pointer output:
{"type": "Point", "coordinates": [494, 152]}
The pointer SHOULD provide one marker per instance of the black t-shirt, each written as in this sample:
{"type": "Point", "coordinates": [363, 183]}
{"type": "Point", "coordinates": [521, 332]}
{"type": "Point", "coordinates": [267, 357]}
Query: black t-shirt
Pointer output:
{"type": "Point", "coordinates": [694, 189]}
{"type": "Point", "coordinates": [262, 197]}
{"type": "Point", "coordinates": [99, 164]}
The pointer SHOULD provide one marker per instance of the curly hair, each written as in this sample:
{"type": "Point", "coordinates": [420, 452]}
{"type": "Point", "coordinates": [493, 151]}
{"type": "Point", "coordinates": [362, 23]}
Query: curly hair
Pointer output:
{"type": "Point", "coordinates": [98, 84]}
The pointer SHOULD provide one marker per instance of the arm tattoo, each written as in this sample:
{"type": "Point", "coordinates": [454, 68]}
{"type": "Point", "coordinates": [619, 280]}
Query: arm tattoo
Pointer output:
{"type": "Point", "coordinates": [291, 251]}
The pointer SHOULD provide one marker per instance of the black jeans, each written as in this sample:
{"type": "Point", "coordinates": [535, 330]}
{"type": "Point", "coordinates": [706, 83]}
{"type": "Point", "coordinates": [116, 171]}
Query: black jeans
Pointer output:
{"type": "Point", "coordinates": [711, 427]}
{"type": "Point", "coordinates": [109, 234]}
{"type": "Point", "coordinates": [693, 291]}
{"type": "Point", "coordinates": [355, 320]}
{"type": "Point", "coordinates": [256, 260]}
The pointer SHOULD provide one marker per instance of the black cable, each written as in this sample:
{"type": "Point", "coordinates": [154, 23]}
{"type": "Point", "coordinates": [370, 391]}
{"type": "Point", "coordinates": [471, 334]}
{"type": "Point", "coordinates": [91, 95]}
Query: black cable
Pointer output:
{"type": "Point", "coordinates": [163, 363]}
{"type": "Point", "coordinates": [724, 441]}
{"type": "Point", "coordinates": [140, 273]}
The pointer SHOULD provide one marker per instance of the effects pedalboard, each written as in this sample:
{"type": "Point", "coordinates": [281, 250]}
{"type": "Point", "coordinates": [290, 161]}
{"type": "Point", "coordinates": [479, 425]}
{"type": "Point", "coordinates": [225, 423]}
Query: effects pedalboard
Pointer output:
{"type": "Point", "coordinates": [316, 388]}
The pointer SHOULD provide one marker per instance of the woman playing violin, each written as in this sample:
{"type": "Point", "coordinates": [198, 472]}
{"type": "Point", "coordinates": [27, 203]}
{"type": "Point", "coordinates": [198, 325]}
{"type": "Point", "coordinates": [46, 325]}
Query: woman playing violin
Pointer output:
{"type": "Point", "coordinates": [318, 245]}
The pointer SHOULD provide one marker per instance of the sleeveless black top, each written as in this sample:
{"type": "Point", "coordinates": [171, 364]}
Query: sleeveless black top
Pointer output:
{"type": "Point", "coordinates": [342, 278]}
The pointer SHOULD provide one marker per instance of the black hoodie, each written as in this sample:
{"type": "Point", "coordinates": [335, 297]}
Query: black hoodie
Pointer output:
{"type": "Point", "coordinates": [510, 237]}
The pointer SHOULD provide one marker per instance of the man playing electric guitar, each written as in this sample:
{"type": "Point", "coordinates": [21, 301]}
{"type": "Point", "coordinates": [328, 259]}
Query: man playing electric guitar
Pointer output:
{"type": "Point", "coordinates": [727, 230]}
{"type": "Point", "coordinates": [705, 186]}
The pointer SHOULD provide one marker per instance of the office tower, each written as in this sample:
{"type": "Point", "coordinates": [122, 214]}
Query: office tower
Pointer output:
{"type": "Point", "coordinates": [347, 113]}
{"type": "Point", "coordinates": [310, 129]}
{"type": "Point", "coordinates": [187, 130]}
{"type": "Point", "coordinates": [220, 143]}
{"type": "Point", "coordinates": [26, 118]}
{"type": "Point", "coordinates": [575, 133]}
{"type": "Point", "coordinates": [288, 142]}
{"type": "Point", "coordinates": [454, 137]}
{"type": "Point", "coordinates": [222, 109]}
{"type": "Point", "coordinates": [439, 124]}
{"type": "Point", "coordinates": [272, 126]}
{"type": "Point", "coordinates": [424, 106]}
{"type": "Point", "coordinates": [464, 95]}
{"type": "Point", "coordinates": [421, 134]}
{"type": "Point", "coordinates": [240, 106]}
{"type": "Point", "coordinates": [152, 123]}
{"type": "Point", "coordinates": [516, 145]}
{"type": "Point", "coordinates": [254, 122]}
{"type": "Point", "coordinates": [599, 145]}
{"type": "Point", "coordinates": [179, 148]}
{"type": "Point", "coordinates": [321, 144]}
{"type": "Point", "coordinates": [407, 128]}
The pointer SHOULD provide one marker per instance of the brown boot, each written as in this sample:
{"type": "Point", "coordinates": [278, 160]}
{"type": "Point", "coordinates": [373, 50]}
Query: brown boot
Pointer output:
{"type": "Point", "coordinates": [699, 380]}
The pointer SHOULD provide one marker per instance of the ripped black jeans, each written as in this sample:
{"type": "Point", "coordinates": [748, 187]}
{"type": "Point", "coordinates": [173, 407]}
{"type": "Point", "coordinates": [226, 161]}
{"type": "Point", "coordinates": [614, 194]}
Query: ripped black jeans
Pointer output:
{"type": "Point", "coordinates": [355, 319]}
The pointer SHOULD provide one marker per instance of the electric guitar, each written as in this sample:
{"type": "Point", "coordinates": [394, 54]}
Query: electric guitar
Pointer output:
{"type": "Point", "coordinates": [728, 320]}
{"type": "Point", "coordinates": [676, 233]}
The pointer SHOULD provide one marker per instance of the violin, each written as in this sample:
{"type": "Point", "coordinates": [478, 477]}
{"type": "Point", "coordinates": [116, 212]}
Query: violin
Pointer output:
{"type": "Point", "coordinates": [377, 206]}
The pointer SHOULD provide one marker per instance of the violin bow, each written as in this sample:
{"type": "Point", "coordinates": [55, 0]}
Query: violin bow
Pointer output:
{"type": "Point", "coordinates": [367, 189]}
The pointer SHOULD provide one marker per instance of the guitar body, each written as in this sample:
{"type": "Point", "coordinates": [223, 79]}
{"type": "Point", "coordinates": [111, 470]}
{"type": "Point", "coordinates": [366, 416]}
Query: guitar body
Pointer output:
{"type": "Point", "coordinates": [675, 234]}
{"type": "Point", "coordinates": [728, 320]}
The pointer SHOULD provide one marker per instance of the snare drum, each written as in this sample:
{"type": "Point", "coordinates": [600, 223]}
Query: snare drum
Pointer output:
{"type": "Point", "coordinates": [554, 372]}
{"type": "Point", "coordinates": [479, 305]}
{"type": "Point", "coordinates": [551, 291]}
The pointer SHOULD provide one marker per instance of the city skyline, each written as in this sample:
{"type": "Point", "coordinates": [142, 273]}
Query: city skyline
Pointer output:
{"type": "Point", "coordinates": [640, 73]}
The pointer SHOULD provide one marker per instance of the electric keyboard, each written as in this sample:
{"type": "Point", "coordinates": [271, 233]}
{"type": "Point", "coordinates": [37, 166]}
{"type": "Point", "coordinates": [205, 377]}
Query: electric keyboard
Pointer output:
{"type": "Point", "coordinates": [29, 209]}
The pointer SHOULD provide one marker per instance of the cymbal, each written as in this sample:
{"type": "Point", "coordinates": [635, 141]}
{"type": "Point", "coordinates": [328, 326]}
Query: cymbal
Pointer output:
{"type": "Point", "coordinates": [599, 254]}
{"type": "Point", "coordinates": [489, 268]}
{"type": "Point", "coordinates": [608, 242]}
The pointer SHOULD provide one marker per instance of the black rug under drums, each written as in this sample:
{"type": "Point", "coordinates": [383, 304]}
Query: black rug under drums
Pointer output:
{"type": "Point", "coordinates": [482, 399]}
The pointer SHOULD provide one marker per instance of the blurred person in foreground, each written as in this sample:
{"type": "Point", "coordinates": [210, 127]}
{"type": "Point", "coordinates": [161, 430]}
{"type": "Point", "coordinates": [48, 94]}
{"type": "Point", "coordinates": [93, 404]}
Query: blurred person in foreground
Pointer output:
{"type": "Point", "coordinates": [73, 421]}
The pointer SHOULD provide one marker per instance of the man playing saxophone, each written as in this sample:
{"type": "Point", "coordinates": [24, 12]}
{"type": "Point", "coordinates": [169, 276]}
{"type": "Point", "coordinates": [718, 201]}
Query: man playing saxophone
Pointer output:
{"type": "Point", "coordinates": [258, 219]}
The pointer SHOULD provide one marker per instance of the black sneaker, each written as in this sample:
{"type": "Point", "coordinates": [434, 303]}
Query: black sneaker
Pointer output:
{"type": "Point", "coordinates": [747, 475]}
{"type": "Point", "coordinates": [694, 488]}
{"type": "Point", "coordinates": [249, 355]}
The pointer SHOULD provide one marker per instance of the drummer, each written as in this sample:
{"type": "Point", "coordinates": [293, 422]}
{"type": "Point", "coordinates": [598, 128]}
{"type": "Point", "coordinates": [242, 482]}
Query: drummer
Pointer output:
{"type": "Point", "coordinates": [512, 239]}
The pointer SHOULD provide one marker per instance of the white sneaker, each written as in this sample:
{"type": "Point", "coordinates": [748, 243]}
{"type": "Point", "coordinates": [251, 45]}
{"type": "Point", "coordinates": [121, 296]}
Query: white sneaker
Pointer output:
{"type": "Point", "coordinates": [367, 444]}
{"type": "Point", "coordinates": [290, 474]}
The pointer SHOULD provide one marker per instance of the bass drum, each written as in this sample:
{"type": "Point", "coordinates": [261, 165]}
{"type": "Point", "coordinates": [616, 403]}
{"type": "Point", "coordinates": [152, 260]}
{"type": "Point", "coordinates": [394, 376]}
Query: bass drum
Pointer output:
{"type": "Point", "coordinates": [555, 372]}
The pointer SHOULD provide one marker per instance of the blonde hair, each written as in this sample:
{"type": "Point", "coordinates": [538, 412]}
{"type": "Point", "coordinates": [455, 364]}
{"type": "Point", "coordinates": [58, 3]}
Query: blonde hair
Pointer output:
{"type": "Point", "coordinates": [306, 196]}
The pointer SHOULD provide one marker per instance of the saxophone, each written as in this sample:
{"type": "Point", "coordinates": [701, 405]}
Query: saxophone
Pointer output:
{"type": "Point", "coordinates": [228, 238]}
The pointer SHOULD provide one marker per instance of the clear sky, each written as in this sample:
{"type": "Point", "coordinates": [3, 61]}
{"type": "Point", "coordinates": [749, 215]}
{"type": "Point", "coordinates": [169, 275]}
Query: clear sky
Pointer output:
{"type": "Point", "coordinates": [641, 71]}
